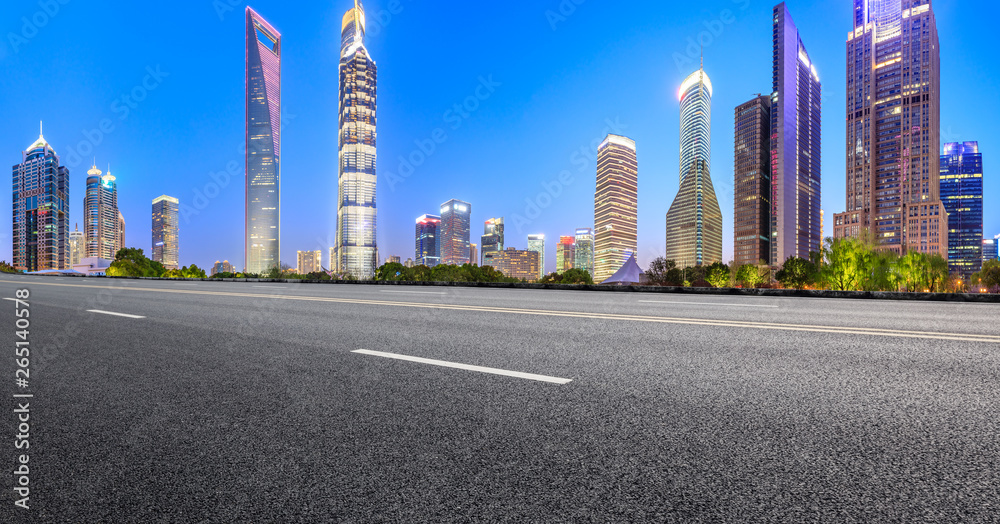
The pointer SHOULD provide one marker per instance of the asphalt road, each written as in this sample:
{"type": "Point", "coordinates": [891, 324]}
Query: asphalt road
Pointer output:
{"type": "Point", "coordinates": [241, 402]}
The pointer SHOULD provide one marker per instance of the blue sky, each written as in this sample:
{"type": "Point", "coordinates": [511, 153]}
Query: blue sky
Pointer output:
{"type": "Point", "coordinates": [167, 86]}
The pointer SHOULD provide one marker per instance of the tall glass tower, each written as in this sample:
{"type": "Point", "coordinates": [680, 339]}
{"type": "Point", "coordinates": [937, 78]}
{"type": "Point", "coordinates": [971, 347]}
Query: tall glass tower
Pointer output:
{"type": "Point", "coordinates": [456, 217]}
{"type": "Point", "coordinates": [41, 210]}
{"type": "Point", "coordinates": [584, 257]}
{"type": "Point", "coordinates": [752, 182]}
{"type": "Point", "coordinates": [537, 243]}
{"type": "Point", "coordinates": [893, 128]}
{"type": "Point", "coordinates": [165, 241]}
{"type": "Point", "coordinates": [356, 249]}
{"type": "Point", "coordinates": [101, 218]}
{"type": "Point", "coordinates": [427, 241]}
{"type": "Point", "coordinates": [795, 145]}
{"type": "Point", "coordinates": [492, 240]}
{"type": "Point", "coordinates": [962, 196]}
{"type": "Point", "coordinates": [263, 145]}
{"type": "Point", "coordinates": [694, 221]}
{"type": "Point", "coordinates": [616, 206]}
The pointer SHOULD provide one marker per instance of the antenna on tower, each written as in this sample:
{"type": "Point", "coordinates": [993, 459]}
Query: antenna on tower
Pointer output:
{"type": "Point", "coordinates": [40, 128]}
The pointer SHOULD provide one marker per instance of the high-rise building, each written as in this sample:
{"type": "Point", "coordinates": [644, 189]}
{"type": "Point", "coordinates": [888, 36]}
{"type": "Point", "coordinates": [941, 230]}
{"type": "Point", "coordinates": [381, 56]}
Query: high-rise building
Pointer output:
{"type": "Point", "coordinates": [962, 196]}
{"type": "Point", "coordinates": [101, 219]}
{"type": "Point", "coordinates": [41, 210]}
{"type": "Point", "coordinates": [616, 206]}
{"type": "Point", "coordinates": [121, 231]}
{"type": "Point", "coordinates": [492, 240]}
{"type": "Point", "coordinates": [77, 245]}
{"type": "Point", "coordinates": [990, 249]}
{"type": "Point", "coordinates": [263, 145]}
{"type": "Point", "coordinates": [796, 107]}
{"type": "Point", "coordinates": [223, 267]}
{"type": "Point", "coordinates": [356, 246]}
{"type": "Point", "coordinates": [165, 231]}
{"type": "Point", "coordinates": [392, 259]}
{"type": "Point", "coordinates": [456, 219]}
{"type": "Point", "coordinates": [584, 257]}
{"type": "Point", "coordinates": [409, 263]}
{"type": "Point", "coordinates": [474, 254]}
{"type": "Point", "coordinates": [565, 253]}
{"type": "Point", "coordinates": [694, 221]}
{"type": "Point", "coordinates": [309, 262]}
{"type": "Point", "coordinates": [893, 128]}
{"type": "Point", "coordinates": [514, 263]}
{"type": "Point", "coordinates": [537, 243]}
{"type": "Point", "coordinates": [427, 241]}
{"type": "Point", "coordinates": [752, 182]}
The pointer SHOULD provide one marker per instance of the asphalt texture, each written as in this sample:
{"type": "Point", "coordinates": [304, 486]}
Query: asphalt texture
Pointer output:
{"type": "Point", "coordinates": [243, 402]}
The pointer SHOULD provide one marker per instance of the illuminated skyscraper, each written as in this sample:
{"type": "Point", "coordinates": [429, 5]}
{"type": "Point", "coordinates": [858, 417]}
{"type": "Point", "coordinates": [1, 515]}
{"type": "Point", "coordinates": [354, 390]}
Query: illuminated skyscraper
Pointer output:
{"type": "Point", "coordinates": [694, 221]}
{"type": "Point", "coordinates": [795, 145]}
{"type": "Point", "coordinates": [565, 253]}
{"type": "Point", "coordinates": [893, 128]}
{"type": "Point", "coordinates": [492, 239]}
{"type": "Point", "coordinates": [77, 245]}
{"type": "Point", "coordinates": [41, 210]}
{"type": "Point", "coordinates": [356, 249]}
{"type": "Point", "coordinates": [309, 262]}
{"type": "Point", "coordinates": [427, 241]}
{"type": "Point", "coordinates": [962, 196]}
{"type": "Point", "coordinates": [584, 257]}
{"type": "Point", "coordinates": [616, 206]}
{"type": "Point", "coordinates": [752, 183]}
{"type": "Point", "coordinates": [101, 219]}
{"type": "Point", "coordinates": [474, 254]}
{"type": "Point", "coordinates": [165, 232]}
{"type": "Point", "coordinates": [263, 145]}
{"type": "Point", "coordinates": [990, 249]}
{"type": "Point", "coordinates": [456, 219]}
{"type": "Point", "coordinates": [537, 243]}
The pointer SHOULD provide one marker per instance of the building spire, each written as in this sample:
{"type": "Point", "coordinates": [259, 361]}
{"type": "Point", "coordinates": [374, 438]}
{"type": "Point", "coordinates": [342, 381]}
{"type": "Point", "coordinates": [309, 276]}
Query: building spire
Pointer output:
{"type": "Point", "coordinates": [40, 134]}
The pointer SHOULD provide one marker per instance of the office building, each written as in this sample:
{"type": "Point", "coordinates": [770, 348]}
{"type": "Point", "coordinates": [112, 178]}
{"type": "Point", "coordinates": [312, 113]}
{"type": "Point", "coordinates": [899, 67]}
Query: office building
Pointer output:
{"type": "Point", "coordinates": [77, 246]}
{"type": "Point", "coordinates": [263, 145]}
{"type": "Point", "coordinates": [584, 254]}
{"type": "Point", "coordinates": [616, 205]}
{"type": "Point", "coordinates": [514, 263]}
{"type": "Point", "coordinates": [537, 243]}
{"type": "Point", "coordinates": [165, 231]}
{"type": "Point", "coordinates": [356, 246]}
{"type": "Point", "coordinates": [101, 219]}
{"type": "Point", "coordinates": [990, 249]}
{"type": "Point", "coordinates": [223, 267]}
{"type": "Point", "coordinates": [565, 253]}
{"type": "Point", "coordinates": [893, 128]}
{"type": "Point", "coordinates": [752, 182]}
{"type": "Point", "coordinates": [962, 196]}
{"type": "Point", "coordinates": [427, 241]}
{"type": "Point", "coordinates": [456, 222]}
{"type": "Point", "coordinates": [309, 262]}
{"type": "Point", "coordinates": [392, 259]}
{"type": "Point", "coordinates": [474, 254]}
{"type": "Point", "coordinates": [694, 221]}
{"type": "Point", "coordinates": [492, 240]}
{"type": "Point", "coordinates": [40, 225]}
{"type": "Point", "coordinates": [796, 107]}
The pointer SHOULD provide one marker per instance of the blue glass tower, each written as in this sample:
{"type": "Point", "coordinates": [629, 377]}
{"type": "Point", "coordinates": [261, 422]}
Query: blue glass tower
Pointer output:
{"type": "Point", "coordinates": [962, 196]}
{"type": "Point", "coordinates": [427, 241]}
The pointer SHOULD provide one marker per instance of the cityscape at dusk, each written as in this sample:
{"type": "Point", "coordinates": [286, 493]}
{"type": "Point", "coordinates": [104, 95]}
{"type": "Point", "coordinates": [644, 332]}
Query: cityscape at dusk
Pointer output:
{"type": "Point", "coordinates": [175, 111]}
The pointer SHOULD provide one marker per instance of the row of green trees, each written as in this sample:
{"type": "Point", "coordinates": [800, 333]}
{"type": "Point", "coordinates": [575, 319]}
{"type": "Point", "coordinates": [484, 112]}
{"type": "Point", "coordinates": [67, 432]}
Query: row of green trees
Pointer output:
{"type": "Point", "coordinates": [132, 262]}
{"type": "Point", "coordinates": [395, 271]}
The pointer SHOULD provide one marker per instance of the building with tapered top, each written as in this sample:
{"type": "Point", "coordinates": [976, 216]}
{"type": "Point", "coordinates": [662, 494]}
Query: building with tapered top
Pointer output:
{"type": "Point", "coordinates": [40, 224]}
{"type": "Point", "coordinates": [262, 245]}
{"type": "Point", "coordinates": [616, 206]}
{"type": "Point", "coordinates": [893, 128]}
{"type": "Point", "coordinates": [694, 221]}
{"type": "Point", "coordinates": [356, 249]}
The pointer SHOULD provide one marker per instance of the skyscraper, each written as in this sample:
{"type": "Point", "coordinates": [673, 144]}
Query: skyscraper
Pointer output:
{"type": "Point", "coordinates": [41, 210]}
{"type": "Point", "coordinates": [474, 254]}
{"type": "Point", "coordinates": [893, 128]}
{"type": "Point", "coordinates": [962, 196]}
{"type": "Point", "coordinates": [796, 108]}
{"type": "Point", "coordinates": [584, 257]}
{"type": "Point", "coordinates": [101, 216]}
{"type": "Point", "coordinates": [427, 240]}
{"type": "Point", "coordinates": [537, 243]}
{"type": "Point", "coordinates": [616, 206]}
{"type": "Point", "coordinates": [77, 245]}
{"type": "Point", "coordinates": [263, 145]}
{"type": "Point", "coordinates": [694, 221]}
{"type": "Point", "coordinates": [222, 267]}
{"type": "Point", "coordinates": [456, 219]}
{"type": "Point", "coordinates": [492, 237]}
{"type": "Point", "coordinates": [309, 262]}
{"type": "Point", "coordinates": [565, 253]}
{"type": "Point", "coordinates": [752, 183]}
{"type": "Point", "coordinates": [356, 247]}
{"type": "Point", "coordinates": [165, 231]}
{"type": "Point", "coordinates": [990, 249]}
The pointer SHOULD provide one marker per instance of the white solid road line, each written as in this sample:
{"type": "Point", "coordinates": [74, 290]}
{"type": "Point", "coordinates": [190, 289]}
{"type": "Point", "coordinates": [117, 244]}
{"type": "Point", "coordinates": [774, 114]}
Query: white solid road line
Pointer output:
{"type": "Point", "coordinates": [415, 292]}
{"type": "Point", "coordinates": [113, 313]}
{"type": "Point", "coordinates": [15, 299]}
{"type": "Point", "coordinates": [272, 287]}
{"type": "Point", "coordinates": [703, 303]}
{"type": "Point", "coordinates": [442, 363]}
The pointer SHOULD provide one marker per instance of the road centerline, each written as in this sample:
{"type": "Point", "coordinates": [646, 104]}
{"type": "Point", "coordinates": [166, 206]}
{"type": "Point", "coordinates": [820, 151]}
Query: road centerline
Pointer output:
{"type": "Point", "coordinates": [467, 367]}
{"type": "Point", "coordinates": [112, 313]}
{"type": "Point", "coordinates": [413, 292]}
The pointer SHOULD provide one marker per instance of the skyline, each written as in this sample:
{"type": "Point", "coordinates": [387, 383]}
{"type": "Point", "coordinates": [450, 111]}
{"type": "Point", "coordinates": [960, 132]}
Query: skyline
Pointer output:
{"type": "Point", "coordinates": [462, 166]}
